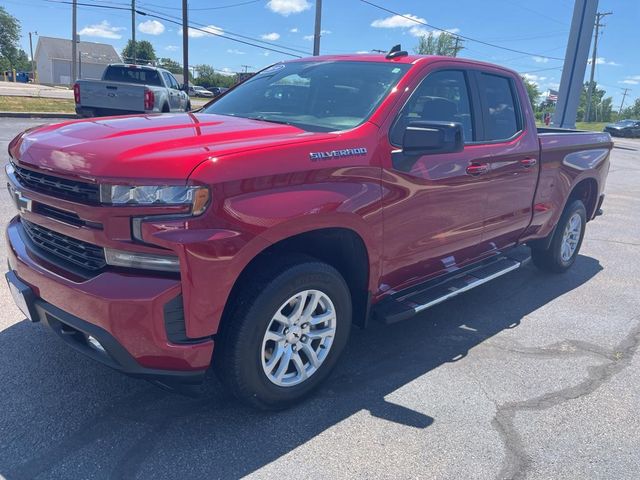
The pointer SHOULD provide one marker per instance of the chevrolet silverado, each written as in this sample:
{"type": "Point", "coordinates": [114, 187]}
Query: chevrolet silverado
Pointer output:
{"type": "Point", "coordinates": [318, 194]}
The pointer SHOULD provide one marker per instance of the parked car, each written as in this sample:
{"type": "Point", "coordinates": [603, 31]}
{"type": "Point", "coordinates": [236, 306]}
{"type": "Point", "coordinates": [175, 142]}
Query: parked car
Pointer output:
{"type": "Point", "coordinates": [126, 89]}
{"type": "Point", "coordinates": [218, 90]}
{"type": "Point", "coordinates": [624, 128]}
{"type": "Point", "coordinates": [198, 91]}
{"type": "Point", "coordinates": [251, 235]}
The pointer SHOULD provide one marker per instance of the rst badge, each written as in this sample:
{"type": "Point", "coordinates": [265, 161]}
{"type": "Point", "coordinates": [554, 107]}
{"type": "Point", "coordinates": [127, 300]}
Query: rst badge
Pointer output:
{"type": "Point", "coordinates": [347, 152]}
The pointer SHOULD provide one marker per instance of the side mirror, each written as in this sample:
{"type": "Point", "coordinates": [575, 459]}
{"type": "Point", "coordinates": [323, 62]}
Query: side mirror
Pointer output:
{"type": "Point", "coordinates": [431, 137]}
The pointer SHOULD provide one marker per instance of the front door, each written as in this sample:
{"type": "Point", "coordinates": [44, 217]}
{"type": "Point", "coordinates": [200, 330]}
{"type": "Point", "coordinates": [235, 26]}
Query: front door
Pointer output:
{"type": "Point", "coordinates": [434, 205]}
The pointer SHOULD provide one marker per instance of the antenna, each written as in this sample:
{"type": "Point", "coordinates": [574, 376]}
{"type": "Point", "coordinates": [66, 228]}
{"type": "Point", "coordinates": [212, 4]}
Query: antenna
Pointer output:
{"type": "Point", "coordinates": [396, 51]}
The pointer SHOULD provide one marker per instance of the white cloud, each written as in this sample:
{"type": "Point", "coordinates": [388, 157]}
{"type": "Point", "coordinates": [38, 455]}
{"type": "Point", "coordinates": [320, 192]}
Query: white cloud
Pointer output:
{"type": "Point", "coordinates": [227, 71]}
{"type": "Point", "coordinates": [325, 32]}
{"type": "Point", "coordinates": [630, 81]}
{"type": "Point", "coordinates": [423, 31]}
{"type": "Point", "coordinates": [362, 52]}
{"type": "Point", "coordinates": [203, 31]}
{"type": "Point", "coordinates": [534, 78]}
{"type": "Point", "coordinates": [287, 7]}
{"type": "Point", "coordinates": [604, 61]}
{"type": "Point", "coordinates": [103, 30]}
{"type": "Point", "coordinates": [273, 36]}
{"type": "Point", "coordinates": [171, 48]}
{"type": "Point", "coordinates": [151, 27]}
{"type": "Point", "coordinates": [308, 37]}
{"type": "Point", "coordinates": [266, 53]}
{"type": "Point", "coordinates": [294, 30]}
{"type": "Point", "coordinates": [397, 21]}
{"type": "Point", "coordinates": [235, 51]}
{"type": "Point", "coordinates": [540, 59]}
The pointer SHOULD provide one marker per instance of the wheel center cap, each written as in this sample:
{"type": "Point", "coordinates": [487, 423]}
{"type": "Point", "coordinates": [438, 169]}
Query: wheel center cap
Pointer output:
{"type": "Point", "coordinates": [294, 334]}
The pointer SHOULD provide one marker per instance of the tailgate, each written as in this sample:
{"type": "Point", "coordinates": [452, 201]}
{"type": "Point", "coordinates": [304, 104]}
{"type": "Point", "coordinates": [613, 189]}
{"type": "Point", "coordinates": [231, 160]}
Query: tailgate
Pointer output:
{"type": "Point", "coordinates": [112, 95]}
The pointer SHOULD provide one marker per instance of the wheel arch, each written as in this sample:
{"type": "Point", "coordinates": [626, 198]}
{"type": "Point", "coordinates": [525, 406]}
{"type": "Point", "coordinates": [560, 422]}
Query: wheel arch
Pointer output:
{"type": "Point", "coordinates": [342, 248]}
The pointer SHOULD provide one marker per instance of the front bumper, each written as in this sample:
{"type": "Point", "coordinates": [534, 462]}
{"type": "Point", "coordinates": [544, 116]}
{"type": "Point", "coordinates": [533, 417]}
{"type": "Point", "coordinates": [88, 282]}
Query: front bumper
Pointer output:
{"type": "Point", "coordinates": [123, 310]}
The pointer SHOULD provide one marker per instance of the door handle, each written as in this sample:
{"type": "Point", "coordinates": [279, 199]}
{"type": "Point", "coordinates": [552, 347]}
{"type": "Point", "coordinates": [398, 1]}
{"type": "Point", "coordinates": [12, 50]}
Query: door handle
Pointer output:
{"type": "Point", "coordinates": [528, 162]}
{"type": "Point", "coordinates": [476, 169]}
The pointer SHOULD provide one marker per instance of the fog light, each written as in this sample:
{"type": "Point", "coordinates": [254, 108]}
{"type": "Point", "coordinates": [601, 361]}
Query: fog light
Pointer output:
{"type": "Point", "coordinates": [147, 261]}
{"type": "Point", "coordinates": [95, 344]}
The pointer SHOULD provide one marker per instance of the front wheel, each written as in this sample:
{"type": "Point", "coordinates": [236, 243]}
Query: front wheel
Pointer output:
{"type": "Point", "coordinates": [284, 333]}
{"type": "Point", "coordinates": [566, 241]}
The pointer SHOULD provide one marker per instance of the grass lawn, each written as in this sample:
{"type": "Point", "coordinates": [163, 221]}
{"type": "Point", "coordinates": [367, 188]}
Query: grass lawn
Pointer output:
{"type": "Point", "coordinates": [36, 104]}
{"type": "Point", "coordinates": [593, 126]}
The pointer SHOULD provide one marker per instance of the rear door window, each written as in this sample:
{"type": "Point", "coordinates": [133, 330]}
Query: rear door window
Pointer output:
{"type": "Point", "coordinates": [135, 75]}
{"type": "Point", "coordinates": [501, 113]}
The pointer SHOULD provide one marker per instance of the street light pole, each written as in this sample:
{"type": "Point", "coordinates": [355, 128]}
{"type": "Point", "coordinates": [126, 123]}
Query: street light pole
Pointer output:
{"type": "Point", "coordinates": [318, 29]}
{"type": "Point", "coordinates": [33, 62]}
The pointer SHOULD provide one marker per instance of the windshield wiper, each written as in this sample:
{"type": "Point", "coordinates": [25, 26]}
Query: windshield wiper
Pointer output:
{"type": "Point", "coordinates": [271, 120]}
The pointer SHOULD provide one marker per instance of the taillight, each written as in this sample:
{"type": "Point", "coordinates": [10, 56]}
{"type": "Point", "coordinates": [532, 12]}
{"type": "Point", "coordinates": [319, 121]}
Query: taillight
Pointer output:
{"type": "Point", "coordinates": [76, 92]}
{"type": "Point", "coordinates": [149, 100]}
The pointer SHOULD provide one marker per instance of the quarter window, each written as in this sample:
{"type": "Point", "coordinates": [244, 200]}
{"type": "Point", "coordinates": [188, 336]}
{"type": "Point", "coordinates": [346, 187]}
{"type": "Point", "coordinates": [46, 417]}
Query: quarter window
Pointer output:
{"type": "Point", "coordinates": [502, 119]}
{"type": "Point", "coordinates": [442, 96]}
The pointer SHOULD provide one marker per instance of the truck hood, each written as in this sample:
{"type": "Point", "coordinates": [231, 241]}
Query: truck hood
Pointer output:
{"type": "Point", "coordinates": [148, 146]}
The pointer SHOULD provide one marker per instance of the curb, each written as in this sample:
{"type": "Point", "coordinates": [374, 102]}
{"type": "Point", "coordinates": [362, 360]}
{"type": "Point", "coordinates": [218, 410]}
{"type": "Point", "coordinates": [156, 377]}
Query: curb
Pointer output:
{"type": "Point", "coordinates": [37, 115]}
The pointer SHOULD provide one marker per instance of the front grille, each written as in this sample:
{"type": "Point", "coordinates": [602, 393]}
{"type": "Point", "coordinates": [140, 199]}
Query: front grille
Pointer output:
{"type": "Point", "coordinates": [77, 252]}
{"type": "Point", "coordinates": [58, 187]}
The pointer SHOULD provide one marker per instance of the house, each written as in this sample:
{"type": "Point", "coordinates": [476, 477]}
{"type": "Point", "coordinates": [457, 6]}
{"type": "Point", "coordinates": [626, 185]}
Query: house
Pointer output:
{"type": "Point", "coordinates": [53, 60]}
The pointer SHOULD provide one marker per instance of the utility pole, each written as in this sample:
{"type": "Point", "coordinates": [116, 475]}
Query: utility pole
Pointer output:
{"type": "Point", "coordinates": [599, 16]}
{"type": "Point", "coordinates": [457, 47]}
{"type": "Point", "coordinates": [74, 35]}
{"type": "Point", "coordinates": [624, 95]}
{"type": "Point", "coordinates": [246, 68]}
{"type": "Point", "coordinates": [33, 62]}
{"type": "Point", "coordinates": [133, 31]}
{"type": "Point", "coordinates": [185, 45]}
{"type": "Point", "coordinates": [318, 29]}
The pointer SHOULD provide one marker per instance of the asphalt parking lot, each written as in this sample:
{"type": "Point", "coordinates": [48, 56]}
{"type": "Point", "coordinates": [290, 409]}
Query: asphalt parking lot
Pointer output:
{"type": "Point", "coordinates": [530, 376]}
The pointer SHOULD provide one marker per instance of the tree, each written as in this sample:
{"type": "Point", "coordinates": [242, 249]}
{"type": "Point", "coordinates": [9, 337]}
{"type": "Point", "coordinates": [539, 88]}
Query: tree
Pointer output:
{"type": "Point", "coordinates": [144, 52]}
{"type": "Point", "coordinates": [11, 56]}
{"type": "Point", "coordinates": [169, 64]}
{"type": "Point", "coordinates": [532, 91]}
{"type": "Point", "coordinates": [632, 111]}
{"type": "Point", "coordinates": [602, 107]}
{"type": "Point", "coordinates": [208, 77]}
{"type": "Point", "coordinates": [442, 43]}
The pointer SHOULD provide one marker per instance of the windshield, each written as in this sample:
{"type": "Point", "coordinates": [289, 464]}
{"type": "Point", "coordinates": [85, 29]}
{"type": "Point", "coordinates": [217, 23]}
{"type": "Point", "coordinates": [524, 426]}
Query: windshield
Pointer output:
{"type": "Point", "coordinates": [625, 123]}
{"type": "Point", "coordinates": [141, 76]}
{"type": "Point", "coordinates": [315, 96]}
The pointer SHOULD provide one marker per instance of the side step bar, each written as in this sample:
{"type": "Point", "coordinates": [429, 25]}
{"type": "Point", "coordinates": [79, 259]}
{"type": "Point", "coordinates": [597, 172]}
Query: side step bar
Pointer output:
{"type": "Point", "coordinates": [404, 305]}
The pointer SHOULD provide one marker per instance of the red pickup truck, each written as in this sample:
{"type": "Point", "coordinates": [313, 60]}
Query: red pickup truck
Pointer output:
{"type": "Point", "coordinates": [318, 194]}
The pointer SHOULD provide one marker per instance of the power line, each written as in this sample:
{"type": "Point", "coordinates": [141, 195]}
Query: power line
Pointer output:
{"type": "Point", "coordinates": [221, 7]}
{"type": "Point", "coordinates": [464, 37]}
{"type": "Point", "coordinates": [205, 30]}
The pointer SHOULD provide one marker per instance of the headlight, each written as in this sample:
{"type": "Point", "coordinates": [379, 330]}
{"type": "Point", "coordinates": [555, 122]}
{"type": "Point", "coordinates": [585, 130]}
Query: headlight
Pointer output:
{"type": "Point", "coordinates": [197, 197]}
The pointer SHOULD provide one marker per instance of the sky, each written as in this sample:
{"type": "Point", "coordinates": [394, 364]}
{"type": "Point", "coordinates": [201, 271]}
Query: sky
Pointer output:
{"type": "Point", "coordinates": [538, 28]}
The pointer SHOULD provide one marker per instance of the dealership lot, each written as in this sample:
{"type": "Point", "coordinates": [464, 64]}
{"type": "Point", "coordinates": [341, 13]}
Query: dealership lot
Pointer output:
{"type": "Point", "coordinates": [530, 375]}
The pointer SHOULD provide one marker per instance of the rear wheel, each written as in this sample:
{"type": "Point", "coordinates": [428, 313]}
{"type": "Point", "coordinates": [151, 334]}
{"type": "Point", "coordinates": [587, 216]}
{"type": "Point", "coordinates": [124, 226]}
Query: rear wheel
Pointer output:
{"type": "Point", "coordinates": [284, 333]}
{"type": "Point", "coordinates": [188, 108]}
{"type": "Point", "coordinates": [566, 241]}
{"type": "Point", "coordinates": [165, 108]}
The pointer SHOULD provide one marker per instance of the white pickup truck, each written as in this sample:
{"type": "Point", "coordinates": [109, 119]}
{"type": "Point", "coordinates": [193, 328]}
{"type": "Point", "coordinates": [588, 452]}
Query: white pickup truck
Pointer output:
{"type": "Point", "coordinates": [126, 89]}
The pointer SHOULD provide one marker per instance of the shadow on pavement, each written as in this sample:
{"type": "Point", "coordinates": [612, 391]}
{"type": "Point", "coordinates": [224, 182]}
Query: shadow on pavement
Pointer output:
{"type": "Point", "coordinates": [66, 417]}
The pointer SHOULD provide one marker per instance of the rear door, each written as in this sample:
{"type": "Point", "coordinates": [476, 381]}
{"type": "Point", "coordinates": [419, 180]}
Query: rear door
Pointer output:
{"type": "Point", "coordinates": [175, 95]}
{"type": "Point", "coordinates": [510, 149]}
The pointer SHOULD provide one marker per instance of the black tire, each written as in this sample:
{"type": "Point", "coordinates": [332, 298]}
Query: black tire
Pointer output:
{"type": "Point", "coordinates": [188, 108]}
{"type": "Point", "coordinates": [551, 259]}
{"type": "Point", "coordinates": [165, 108]}
{"type": "Point", "coordinates": [238, 353]}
